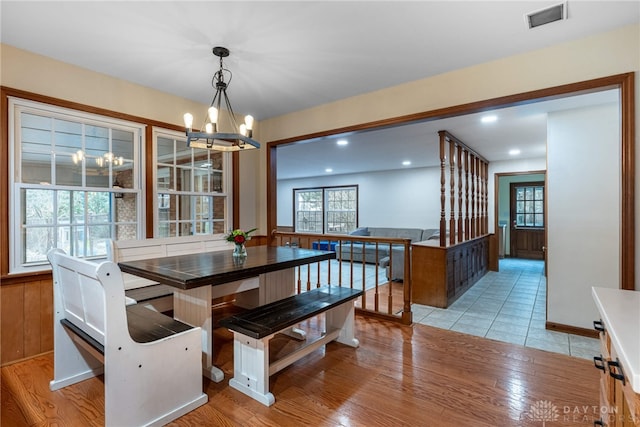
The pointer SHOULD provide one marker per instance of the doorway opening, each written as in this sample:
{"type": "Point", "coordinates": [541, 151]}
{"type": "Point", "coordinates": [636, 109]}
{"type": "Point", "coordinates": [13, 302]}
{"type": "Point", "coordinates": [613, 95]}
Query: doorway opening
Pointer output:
{"type": "Point", "coordinates": [527, 220]}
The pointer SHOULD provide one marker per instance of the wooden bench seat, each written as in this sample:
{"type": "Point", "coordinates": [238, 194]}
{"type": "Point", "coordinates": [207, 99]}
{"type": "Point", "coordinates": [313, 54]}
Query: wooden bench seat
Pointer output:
{"type": "Point", "coordinates": [144, 325]}
{"type": "Point", "coordinates": [254, 329]}
{"type": "Point", "coordinates": [149, 293]}
{"type": "Point", "coordinates": [138, 350]}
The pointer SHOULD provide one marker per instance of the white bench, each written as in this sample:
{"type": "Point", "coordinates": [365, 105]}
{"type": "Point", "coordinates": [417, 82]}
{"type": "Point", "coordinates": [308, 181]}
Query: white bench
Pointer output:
{"type": "Point", "coordinates": [253, 329]}
{"type": "Point", "coordinates": [151, 362]}
{"type": "Point", "coordinates": [160, 297]}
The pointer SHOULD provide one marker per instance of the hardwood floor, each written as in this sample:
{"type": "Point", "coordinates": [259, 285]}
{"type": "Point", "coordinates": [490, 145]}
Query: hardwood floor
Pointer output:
{"type": "Point", "coordinates": [400, 375]}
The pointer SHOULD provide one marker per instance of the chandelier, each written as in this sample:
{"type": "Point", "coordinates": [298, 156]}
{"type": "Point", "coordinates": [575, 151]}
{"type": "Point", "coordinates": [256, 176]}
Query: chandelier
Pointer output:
{"type": "Point", "coordinates": [209, 137]}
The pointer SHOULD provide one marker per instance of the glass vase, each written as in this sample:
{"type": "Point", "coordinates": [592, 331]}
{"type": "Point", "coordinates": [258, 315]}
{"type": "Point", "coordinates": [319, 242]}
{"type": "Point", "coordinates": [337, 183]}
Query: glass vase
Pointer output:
{"type": "Point", "coordinates": [239, 250]}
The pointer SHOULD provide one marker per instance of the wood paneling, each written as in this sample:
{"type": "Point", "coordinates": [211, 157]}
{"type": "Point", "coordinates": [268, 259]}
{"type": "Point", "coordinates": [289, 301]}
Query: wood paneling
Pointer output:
{"type": "Point", "coordinates": [26, 319]}
{"type": "Point", "coordinates": [440, 275]}
{"type": "Point", "coordinates": [12, 315]}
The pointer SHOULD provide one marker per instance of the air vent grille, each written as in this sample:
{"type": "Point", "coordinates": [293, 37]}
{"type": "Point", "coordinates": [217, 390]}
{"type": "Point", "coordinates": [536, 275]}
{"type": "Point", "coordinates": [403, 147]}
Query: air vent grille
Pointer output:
{"type": "Point", "coordinates": [547, 15]}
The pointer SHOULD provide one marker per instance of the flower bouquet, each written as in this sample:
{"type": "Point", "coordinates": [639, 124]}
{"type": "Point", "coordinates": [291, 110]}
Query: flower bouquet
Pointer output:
{"type": "Point", "coordinates": [239, 238]}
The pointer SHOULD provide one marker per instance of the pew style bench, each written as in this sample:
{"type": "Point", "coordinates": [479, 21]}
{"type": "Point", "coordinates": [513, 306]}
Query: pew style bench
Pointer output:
{"type": "Point", "coordinates": [151, 362]}
{"type": "Point", "coordinates": [253, 329]}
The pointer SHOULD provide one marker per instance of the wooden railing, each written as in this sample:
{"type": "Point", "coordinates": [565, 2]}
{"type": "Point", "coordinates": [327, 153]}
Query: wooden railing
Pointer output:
{"type": "Point", "coordinates": [383, 297]}
{"type": "Point", "coordinates": [467, 172]}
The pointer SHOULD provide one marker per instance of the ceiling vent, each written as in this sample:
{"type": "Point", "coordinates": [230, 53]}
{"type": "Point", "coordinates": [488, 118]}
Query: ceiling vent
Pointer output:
{"type": "Point", "coordinates": [547, 15]}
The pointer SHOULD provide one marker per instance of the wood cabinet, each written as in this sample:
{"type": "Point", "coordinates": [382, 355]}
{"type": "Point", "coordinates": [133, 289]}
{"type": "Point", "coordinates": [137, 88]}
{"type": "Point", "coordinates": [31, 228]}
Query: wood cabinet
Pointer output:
{"type": "Point", "coordinates": [439, 275]}
{"type": "Point", "coordinates": [619, 359]}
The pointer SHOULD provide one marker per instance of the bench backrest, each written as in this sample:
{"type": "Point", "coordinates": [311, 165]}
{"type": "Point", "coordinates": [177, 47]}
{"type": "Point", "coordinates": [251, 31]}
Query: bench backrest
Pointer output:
{"type": "Point", "coordinates": [132, 250]}
{"type": "Point", "coordinates": [82, 295]}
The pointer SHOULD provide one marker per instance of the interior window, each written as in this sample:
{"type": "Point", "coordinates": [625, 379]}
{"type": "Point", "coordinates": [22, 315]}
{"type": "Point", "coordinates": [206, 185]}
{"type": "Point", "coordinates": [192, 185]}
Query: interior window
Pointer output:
{"type": "Point", "coordinates": [190, 185]}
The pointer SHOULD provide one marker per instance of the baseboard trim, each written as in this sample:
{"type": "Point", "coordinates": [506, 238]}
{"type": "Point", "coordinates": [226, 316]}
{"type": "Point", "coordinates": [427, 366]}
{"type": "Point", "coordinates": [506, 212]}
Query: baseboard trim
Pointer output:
{"type": "Point", "coordinates": [559, 327]}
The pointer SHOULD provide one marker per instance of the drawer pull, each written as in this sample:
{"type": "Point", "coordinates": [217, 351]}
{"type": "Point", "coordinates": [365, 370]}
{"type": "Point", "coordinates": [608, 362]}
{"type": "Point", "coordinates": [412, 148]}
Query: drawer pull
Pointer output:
{"type": "Point", "coordinates": [617, 375]}
{"type": "Point", "coordinates": [598, 422]}
{"type": "Point", "coordinates": [598, 326]}
{"type": "Point", "coordinates": [599, 363]}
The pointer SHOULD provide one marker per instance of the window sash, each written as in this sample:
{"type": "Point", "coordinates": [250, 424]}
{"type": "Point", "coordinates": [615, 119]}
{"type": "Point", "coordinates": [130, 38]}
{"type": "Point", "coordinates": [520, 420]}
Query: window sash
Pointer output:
{"type": "Point", "coordinates": [326, 210]}
{"type": "Point", "coordinates": [530, 206]}
{"type": "Point", "coordinates": [191, 187]}
{"type": "Point", "coordinates": [56, 152]}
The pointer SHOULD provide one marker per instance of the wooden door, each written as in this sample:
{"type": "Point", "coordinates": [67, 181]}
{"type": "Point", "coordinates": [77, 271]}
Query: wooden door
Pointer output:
{"type": "Point", "coordinates": [527, 220]}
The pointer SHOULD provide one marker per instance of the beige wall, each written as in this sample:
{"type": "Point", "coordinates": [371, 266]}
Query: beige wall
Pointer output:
{"type": "Point", "coordinates": [35, 73]}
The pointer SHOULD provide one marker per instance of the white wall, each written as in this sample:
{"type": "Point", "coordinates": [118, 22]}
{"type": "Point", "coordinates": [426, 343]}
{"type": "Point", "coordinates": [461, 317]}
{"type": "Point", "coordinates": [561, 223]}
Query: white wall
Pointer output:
{"type": "Point", "coordinates": [409, 196]}
{"type": "Point", "coordinates": [583, 188]}
{"type": "Point", "coordinates": [401, 198]}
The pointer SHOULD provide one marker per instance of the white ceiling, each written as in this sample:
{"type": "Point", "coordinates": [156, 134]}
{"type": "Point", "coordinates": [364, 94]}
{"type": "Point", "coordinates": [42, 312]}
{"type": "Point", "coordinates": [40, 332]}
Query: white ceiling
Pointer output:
{"type": "Point", "coordinates": [291, 55]}
{"type": "Point", "coordinates": [522, 128]}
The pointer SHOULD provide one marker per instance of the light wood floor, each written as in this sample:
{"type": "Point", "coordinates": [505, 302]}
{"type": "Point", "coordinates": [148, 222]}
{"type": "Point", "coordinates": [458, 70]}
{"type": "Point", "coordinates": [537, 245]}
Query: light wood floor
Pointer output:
{"type": "Point", "coordinates": [399, 376]}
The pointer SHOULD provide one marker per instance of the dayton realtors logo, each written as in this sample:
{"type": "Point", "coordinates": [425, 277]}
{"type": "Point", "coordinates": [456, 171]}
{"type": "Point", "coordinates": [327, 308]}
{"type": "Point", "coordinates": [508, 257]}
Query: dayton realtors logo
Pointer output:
{"type": "Point", "coordinates": [544, 411]}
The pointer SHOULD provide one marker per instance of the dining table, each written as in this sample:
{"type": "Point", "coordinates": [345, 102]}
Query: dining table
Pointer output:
{"type": "Point", "coordinates": [265, 274]}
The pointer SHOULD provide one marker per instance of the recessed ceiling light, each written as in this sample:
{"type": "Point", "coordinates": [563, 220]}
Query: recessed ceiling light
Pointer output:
{"type": "Point", "coordinates": [406, 163]}
{"type": "Point", "coordinates": [514, 152]}
{"type": "Point", "coordinates": [489, 119]}
{"type": "Point", "coordinates": [328, 170]}
{"type": "Point", "coordinates": [342, 142]}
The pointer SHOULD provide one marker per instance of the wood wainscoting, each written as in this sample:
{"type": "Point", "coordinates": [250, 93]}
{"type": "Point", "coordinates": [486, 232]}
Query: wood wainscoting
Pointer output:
{"type": "Point", "coordinates": [441, 274]}
{"type": "Point", "coordinates": [26, 309]}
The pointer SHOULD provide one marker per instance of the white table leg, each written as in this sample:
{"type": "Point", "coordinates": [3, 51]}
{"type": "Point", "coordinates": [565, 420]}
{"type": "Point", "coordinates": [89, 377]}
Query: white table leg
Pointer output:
{"type": "Point", "coordinates": [193, 306]}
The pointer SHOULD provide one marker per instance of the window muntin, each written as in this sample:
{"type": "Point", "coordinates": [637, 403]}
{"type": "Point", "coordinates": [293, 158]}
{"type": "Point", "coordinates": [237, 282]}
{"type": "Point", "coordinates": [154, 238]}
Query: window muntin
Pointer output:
{"type": "Point", "coordinates": [326, 209]}
{"type": "Point", "coordinates": [66, 163]}
{"type": "Point", "coordinates": [530, 206]}
{"type": "Point", "coordinates": [308, 210]}
{"type": "Point", "coordinates": [191, 195]}
{"type": "Point", "coordinates": [341, 209]}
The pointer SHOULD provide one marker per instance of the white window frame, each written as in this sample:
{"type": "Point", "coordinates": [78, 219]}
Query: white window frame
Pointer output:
{"type": "Point", "coordinates": [227, 184]}
{"type": "Point", "coordinates": [16, 106]}
{"type": "Point", "coordinates": [325, 207]}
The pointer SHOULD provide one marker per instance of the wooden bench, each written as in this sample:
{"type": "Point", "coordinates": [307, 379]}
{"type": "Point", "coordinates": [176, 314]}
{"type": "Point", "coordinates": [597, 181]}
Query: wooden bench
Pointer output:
{"type": "Point", "coordinates": [254, 329]}
{"type": "Point", "coordinates": [157, 296]}
{"type": "Point", "coordinates": [151, 362]}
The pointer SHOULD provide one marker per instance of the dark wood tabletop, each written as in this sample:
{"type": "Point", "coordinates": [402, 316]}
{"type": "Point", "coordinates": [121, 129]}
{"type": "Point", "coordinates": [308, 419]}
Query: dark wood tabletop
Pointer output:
{"type": "Point", "coordinates": [215, 268]}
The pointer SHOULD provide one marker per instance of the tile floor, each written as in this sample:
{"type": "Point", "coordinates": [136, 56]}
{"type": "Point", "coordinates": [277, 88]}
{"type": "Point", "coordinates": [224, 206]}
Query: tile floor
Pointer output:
{"type": "Point", "coordinates": [507, 306]}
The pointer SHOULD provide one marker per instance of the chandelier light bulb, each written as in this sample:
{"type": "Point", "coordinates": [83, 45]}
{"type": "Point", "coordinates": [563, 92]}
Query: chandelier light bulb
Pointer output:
{"type": "Point", "coordinates": [208, 128]}
{"type": "Point", "coordinates": [248, 121]}
{"type": "Point", "coordinates": [213, 114]}
{"type": "Point", "coordinates": [188, 120]}
{"type": "Point", "coordinates": [243, 129]}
